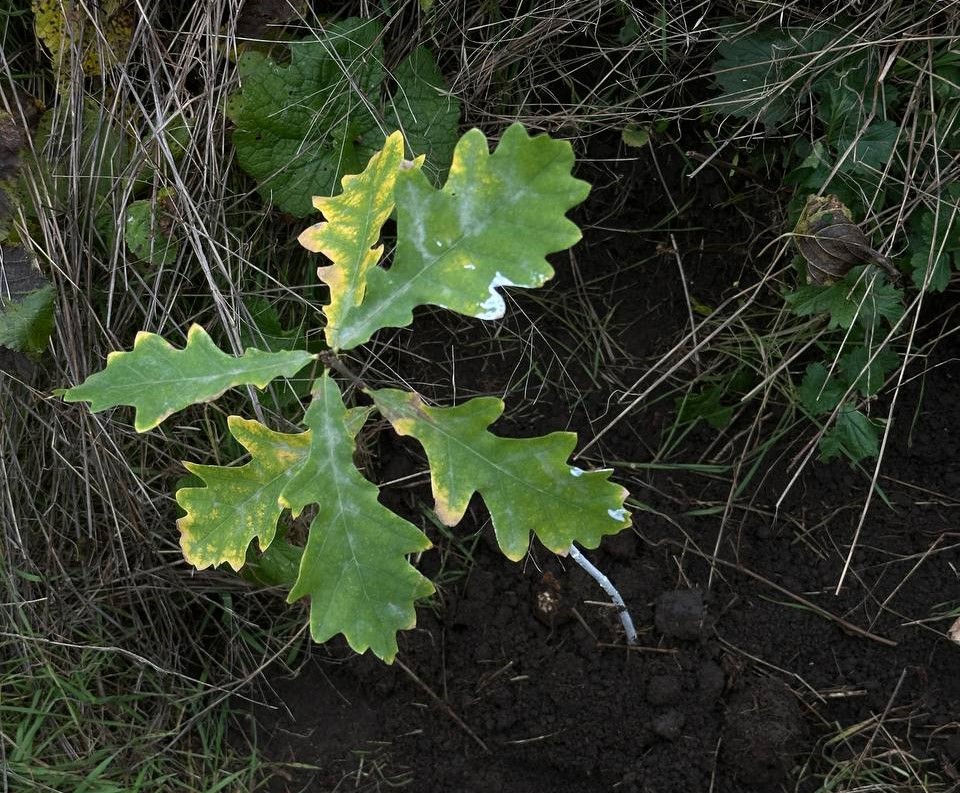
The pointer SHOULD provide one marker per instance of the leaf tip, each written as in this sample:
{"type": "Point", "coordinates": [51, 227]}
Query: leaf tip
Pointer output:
{"type": "Point", "coordinates": [145, 423]}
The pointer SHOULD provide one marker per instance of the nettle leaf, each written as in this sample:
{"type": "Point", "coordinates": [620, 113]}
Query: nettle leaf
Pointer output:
{"type": "Point", "coordinates": [935, 246]}
{"type": "Point", "coordinates": [864, 300]}
{"type": "Point", "coordinates": [853, 436]}
{"type": "Point", "coordinates": [872, 149]}
{"type": "Point", "coordinates": [158, 380]}
{"type": "Point", "coordinates": [819, 393]}
{"type": "Point", "coordinates": [866, 375]}
{"type": "Point", "coordinates": [354, 566]}
{"type": "Point", "coordinates": [526, 483]}
{"type": "Point", "coordinates": [755, 72]}
{"type": "Point", "coordinates": [301, 125]}
{"type": "Point", "coordinates": [495, 220]}
{"type": "Point", "coordinates": [297, 124]}
{"type": "Point", "coordinates": [242, 502]}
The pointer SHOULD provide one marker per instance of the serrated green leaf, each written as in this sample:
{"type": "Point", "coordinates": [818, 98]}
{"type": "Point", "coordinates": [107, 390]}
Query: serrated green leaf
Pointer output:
{"type": "Point", "coordinates": [819, 393]}
{"type": "Point", "coordinates": [865, 374]}
{"type": "Point", "coordinates": [754, 72]}
{"type": "Point", "coordinates": [935, 246]}
{"type": "Point", "coordinates": [354, 567]}
{"type": "Point", "coordinates": [939, 267]}
{"type": "Point", "coordinates": [526, 483]}
{"type": "Point", "coordinates": [872, 149]}
{"type": "Point", "coordinates": [147, 230]}
{"type": "Point", "coordinates": [26, 324]}
{"type": "Point", "coordinates": [158, 380]}
{"type": "Point", "coordinates": [301, 125]}
{"type": "Point", "coordinates": [239, 503]}
{"type": "Point", "coordinates": [853, 435]}
{"type": "Point", "coordinates": [853, 299]}
{"type": "Point", "coordinates": [492, 225]}
{"type": "Point", "coordinates": [811, 299]}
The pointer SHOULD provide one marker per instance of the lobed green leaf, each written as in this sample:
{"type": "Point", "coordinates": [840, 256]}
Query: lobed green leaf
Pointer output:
{"type": "Point", "coordinates": [354, 567]}
{"type": "Point", "coordinates": [239, 503]}
{"type": "Point", "coordinates": [158, 380]}
{"type": "Point", "coordinates": [351, 231]}
{"type": "Point", "coordinates": [526, 483]}
{"type": "Point", "coordinates": [492, 225]}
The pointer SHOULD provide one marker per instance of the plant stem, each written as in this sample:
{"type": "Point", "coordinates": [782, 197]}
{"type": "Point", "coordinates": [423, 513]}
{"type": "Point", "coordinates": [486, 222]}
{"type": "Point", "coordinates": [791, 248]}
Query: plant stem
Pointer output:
{"type": "Point", "coordinates": [330, 359]}
{"type": "Point", "coordinates": [610, 589]}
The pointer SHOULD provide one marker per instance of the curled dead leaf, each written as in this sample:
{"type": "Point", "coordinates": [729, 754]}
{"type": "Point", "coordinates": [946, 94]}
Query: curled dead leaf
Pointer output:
{"type": "Point", "coordinates": [832, 244]}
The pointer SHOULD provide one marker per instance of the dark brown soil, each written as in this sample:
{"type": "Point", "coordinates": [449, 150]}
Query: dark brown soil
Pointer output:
{"type": "Point", "coordinates": [747, 670]}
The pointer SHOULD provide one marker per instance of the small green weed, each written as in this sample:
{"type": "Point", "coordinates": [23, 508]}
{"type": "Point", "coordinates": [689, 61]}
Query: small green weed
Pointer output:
{"type": "Point", "coordinates": [873, 133]}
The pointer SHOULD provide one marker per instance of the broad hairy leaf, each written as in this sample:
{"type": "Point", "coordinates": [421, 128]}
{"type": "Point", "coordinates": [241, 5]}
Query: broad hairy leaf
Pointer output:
{"type": "Point", "coordinates": [526, 483]}
{"type": "Point", "coordinates": [26, 303]}
{"type": "Point", "coordinates": [242, 502]}
{"type": "Point", "coordinates": [423, 110]}
{"type": "Point", "coordinates": [158, 380]}
{"type": "Point", "coordinates": [491, 225]}
{"type": "Point", "coordinates": [300, 126]}
{"type": "Point", "coordinates": [354, 566]}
